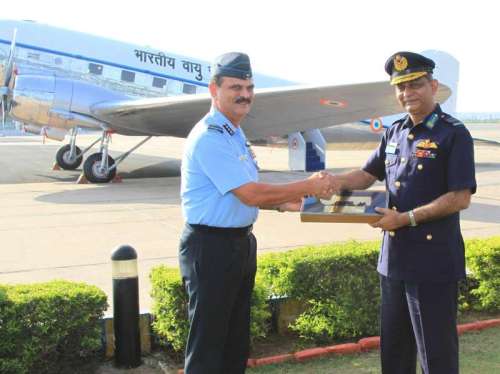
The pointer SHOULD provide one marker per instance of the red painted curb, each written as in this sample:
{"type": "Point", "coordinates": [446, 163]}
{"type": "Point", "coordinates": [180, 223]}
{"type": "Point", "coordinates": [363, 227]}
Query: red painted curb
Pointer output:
{"type": "Point", "coordinates": [460, 330]}
{"type": "Point", "coordinates": [274, 359]}
{"type": "Point", "coordinates": [490, 323]}
{"type": "Point", "coordinates": [363, 345]}
{"type": "Point", "coordinates": [344, 349]}
{"type": "Point", "coordinates": [370, 343]}
{"type": "Point", "coordinates": [480, 325]}
{"type": "Point", "coordinates": [473, 326]}
{"type": "Point", "coordinates": [310, 353]}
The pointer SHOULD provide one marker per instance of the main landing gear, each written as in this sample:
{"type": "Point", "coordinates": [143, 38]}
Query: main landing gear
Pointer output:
{"type": "Point", "coordinates": [99, 167]}
{"type": "Point", "coordinates": [69, 156]}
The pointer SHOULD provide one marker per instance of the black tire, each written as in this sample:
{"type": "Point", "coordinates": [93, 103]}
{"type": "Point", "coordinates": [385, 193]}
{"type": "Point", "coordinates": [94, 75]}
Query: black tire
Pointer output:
{"type": "Point", "coordinates": [91, 169]}
{"type": "Point", "coordinates": [63, 160]}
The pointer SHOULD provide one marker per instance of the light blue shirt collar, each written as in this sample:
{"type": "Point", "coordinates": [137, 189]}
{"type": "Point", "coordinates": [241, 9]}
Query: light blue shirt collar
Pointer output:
{"type": "Point", "coordinates": [222, 120]}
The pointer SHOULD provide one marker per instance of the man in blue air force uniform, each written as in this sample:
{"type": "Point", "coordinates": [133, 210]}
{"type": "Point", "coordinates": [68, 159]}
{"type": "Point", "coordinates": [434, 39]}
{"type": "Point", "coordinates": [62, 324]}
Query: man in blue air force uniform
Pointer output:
{"type": "Point", "coordinates": [427, 161]}
{"type": "Point", "coordinates": [220, 199]}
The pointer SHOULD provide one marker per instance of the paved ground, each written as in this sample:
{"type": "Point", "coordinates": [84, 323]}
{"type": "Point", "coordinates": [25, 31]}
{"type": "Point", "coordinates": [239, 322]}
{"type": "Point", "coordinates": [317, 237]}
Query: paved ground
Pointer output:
{"type": "Point", "coordinates": [51, 227]}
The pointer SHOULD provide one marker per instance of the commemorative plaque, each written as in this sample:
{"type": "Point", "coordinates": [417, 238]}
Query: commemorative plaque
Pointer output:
{"type": "Point", "coordinates": [347, 207]}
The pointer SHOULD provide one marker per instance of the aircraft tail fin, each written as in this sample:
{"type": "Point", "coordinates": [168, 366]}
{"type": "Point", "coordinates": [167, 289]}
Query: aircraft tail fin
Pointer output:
{"type": "Point", "coordinates": [447, 72]}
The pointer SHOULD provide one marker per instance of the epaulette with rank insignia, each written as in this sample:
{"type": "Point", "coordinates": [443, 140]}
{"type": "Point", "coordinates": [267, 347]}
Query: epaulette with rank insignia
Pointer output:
{"type": "Point", "coordinates": [451, 120]}
{"type": "Point", "coordinates": [215, 128]}
{"type": "Point", "coordinates": [228, 128]}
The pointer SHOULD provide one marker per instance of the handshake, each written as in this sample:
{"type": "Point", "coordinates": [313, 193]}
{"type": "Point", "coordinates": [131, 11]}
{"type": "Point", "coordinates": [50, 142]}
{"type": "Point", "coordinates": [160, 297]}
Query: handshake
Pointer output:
{"type": "Point", "coordinates": [323, 184]}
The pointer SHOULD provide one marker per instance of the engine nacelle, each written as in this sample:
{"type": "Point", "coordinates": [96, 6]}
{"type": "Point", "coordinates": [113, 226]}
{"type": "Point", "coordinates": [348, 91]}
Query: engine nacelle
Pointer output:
{"type": "Point", "coordinates": [55, 102]}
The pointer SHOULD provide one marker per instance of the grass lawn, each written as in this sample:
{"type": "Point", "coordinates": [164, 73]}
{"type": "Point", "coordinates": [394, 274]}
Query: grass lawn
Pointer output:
{"type": "Point", "coordinates": [479, 354]}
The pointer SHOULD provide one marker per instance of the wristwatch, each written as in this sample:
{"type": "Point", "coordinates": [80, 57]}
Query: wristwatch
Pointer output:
{"type": "Point", "coordinates": [413, 222]}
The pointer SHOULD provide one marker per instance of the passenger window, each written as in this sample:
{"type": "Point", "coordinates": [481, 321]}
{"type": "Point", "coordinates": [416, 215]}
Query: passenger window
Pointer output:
{"type": "Point", "coordinates": [174, 87]}
{"type": "Point", "coordinates": [95, 69]}
{"type": "Point", "coordinates": [159, 82]}
{"type": "Point", "coordinates": [189, 89]}
{"type": "Point", "coordinates": [128, 76]}
{"type": "Point", "coordinates": [33, 56]}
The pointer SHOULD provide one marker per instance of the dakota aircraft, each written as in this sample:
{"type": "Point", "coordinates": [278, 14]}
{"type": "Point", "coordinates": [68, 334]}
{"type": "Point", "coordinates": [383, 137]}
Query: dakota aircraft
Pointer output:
{"type": "Point", "coordinates": [57, 81]}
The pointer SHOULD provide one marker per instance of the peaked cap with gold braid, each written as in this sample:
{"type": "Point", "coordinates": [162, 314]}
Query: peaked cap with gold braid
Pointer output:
{"type": "Point", "coordinates": [408, 66]}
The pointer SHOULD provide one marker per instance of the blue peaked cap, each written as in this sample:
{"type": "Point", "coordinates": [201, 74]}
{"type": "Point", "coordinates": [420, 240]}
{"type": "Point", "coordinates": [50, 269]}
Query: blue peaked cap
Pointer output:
{"type": "Point", "coordinates": [232, 64]}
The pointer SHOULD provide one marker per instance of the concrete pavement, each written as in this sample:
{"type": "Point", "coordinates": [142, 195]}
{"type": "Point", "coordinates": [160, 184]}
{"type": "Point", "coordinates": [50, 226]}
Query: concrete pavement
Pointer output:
{"type": "Point", "coordinates": [51, 227]}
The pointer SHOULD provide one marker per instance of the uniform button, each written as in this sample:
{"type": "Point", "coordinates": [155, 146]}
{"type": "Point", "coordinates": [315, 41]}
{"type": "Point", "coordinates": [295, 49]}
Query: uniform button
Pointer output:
{"type": "Point", "coordinates": [429, 237]}
{"type": "Point", "coordinates": [392, 233]}
{"type": "Point", "coordinates": [411, 136]}
{"type": "Point", "coordinates": [394, 208]}
{"type": "Point", "coordinates": [397, 184]}
{"type": "Point", "coordinates": [420, 166]}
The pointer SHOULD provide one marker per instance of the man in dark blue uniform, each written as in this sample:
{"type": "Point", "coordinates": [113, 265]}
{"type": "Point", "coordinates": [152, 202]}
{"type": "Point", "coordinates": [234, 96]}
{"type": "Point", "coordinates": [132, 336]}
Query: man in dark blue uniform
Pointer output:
{"type": "Point", "coordinates": [220, 199]}
{"type": "Point", "coordinates": [427, 161]}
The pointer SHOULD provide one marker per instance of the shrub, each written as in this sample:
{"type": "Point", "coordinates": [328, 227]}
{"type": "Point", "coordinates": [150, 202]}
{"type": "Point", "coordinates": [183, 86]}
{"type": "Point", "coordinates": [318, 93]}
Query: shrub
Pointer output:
{"type": "Point", "coordinates": [170, 308]}
{"type": "Point", "coordinates": [338, 282]}
{"type": "Point", "coordinates": [170, 311]}
{"type": "Point", "coordinates": [483, 261]}
{"type": "Point", "coordinates": [46, 326]}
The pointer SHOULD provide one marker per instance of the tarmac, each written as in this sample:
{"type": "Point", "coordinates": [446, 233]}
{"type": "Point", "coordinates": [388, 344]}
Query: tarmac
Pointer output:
{"type": "Point", "coordinates": [53, 228]}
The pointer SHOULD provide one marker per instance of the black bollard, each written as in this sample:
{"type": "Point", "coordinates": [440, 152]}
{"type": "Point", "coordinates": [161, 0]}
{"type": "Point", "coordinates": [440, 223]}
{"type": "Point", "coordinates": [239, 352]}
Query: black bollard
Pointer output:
{"type": "Point", "coordinates": [126, 307]}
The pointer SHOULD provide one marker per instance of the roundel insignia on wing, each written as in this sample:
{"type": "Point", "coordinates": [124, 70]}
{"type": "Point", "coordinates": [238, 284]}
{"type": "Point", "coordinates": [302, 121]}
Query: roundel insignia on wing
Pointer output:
{"type": "Point", "coordinates": [333, 103]}
{"type": "Point", "coordinates": [376, 125]}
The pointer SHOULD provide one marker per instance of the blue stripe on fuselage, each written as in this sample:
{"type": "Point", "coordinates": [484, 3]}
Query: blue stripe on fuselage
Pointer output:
{"type": "Point", "coordinates": [89, 59]}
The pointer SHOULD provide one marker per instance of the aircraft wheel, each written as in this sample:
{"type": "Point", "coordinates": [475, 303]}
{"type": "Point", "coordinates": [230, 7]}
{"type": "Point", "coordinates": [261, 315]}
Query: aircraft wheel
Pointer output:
{"type": "Point", "coordinates": [93, 172]}
{"type": "Point", "coordinates": [64, 160]}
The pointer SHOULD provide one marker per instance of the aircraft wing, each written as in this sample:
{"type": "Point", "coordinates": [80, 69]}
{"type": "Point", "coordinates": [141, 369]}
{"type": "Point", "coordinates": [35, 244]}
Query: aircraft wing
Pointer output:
{"type": "Point", "coordinates": [492, 142]}
{"type": "Point", "coordinates": [275, 111]}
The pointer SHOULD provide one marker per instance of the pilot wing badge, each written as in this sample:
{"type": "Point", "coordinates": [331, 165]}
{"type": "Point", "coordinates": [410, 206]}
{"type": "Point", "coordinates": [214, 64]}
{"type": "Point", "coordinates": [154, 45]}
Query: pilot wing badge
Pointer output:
{"type": "Point", "coordinates": [427, 144]}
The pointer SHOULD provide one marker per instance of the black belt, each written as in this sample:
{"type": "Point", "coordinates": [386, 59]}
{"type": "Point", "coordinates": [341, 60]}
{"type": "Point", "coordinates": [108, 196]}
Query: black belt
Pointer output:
{"type": "Point", "coordinates": [227, 231]}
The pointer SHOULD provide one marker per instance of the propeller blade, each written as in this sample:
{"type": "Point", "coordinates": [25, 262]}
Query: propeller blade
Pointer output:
{"type": "Point", "coordinates": [7, 78]}
{"type": "Point", "coordinates": [3, 113]}
{"type": "Point", "coordinates": [9, 66]}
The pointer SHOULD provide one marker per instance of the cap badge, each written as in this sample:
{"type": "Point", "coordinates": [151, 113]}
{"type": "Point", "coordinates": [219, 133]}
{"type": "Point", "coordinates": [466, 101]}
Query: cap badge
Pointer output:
{"type": "Point", "coordinates": [400, 63]}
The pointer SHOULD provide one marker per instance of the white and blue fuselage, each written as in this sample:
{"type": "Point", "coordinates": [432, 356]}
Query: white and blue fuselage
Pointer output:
{"type": "Point", "coordinates": [134, 70]}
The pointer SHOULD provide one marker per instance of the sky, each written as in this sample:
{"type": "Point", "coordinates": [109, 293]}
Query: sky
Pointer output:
{"type": "Point", "coordinates": [313, 41]}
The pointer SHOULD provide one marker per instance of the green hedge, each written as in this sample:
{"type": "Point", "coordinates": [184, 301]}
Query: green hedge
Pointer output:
{"type": "Point", "coordinates": [483, 263]}
{"type": "Point", "coordinates": [169, 309]}
{"type": "Point", "coordinates": [337, 284]}
{"type": "Point", "coordinates": [170, 302]}
{"type": "Point", "coordinates": [46, 327]}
